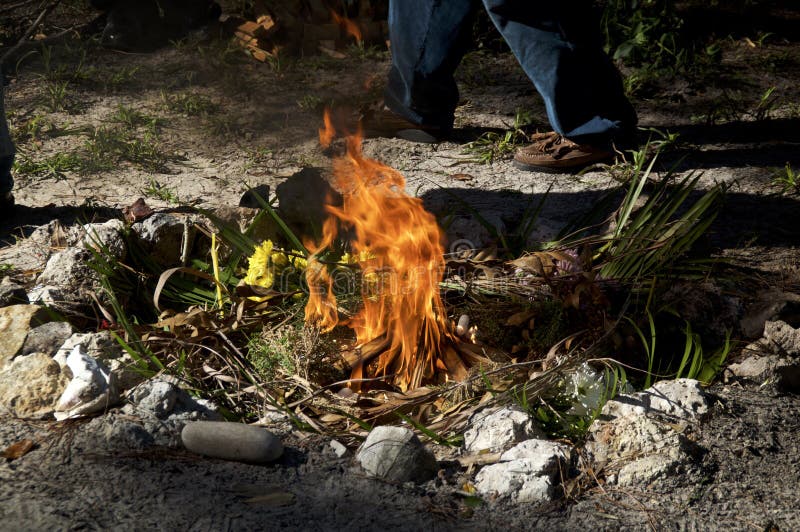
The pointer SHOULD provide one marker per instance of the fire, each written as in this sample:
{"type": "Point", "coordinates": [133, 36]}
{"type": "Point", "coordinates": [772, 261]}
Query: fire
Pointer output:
{"type": "Point", "coordinates": [397, 245]}
{"type": "Point", "coordinates": [349, 26]}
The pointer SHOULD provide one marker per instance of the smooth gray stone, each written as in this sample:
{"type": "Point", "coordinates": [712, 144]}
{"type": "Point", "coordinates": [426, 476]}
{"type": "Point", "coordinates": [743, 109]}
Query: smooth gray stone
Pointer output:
{"type": "Point", "coordinates": [231, 441]}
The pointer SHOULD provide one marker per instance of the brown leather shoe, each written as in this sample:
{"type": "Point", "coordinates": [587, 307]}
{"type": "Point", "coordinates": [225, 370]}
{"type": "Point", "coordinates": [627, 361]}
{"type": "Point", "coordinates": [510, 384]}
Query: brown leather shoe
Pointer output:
{"type": "Point", "coordinates": [550, 152]}
{"type": "Point", "coordinates": [385, 123]}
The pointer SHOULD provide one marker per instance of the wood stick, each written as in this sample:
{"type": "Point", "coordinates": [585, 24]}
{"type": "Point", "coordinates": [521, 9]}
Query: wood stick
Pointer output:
{"type": "Point", "coordinates": [30, 31]}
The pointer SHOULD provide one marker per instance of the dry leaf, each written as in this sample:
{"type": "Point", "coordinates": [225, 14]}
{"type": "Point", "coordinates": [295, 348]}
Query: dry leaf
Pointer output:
{"type": "Point", "coordinates": [515, 320]}
{"type": "Point", "coordinates": [462, 177]}
{"type": "Point", "coordinates": [17, 450]}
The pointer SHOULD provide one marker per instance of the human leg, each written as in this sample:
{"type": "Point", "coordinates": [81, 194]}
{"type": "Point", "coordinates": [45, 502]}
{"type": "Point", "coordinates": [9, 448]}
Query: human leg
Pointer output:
{"type": "Point", "coordinates": [429, 38]}
{"type": "Point", "coordinates": [559, 46]}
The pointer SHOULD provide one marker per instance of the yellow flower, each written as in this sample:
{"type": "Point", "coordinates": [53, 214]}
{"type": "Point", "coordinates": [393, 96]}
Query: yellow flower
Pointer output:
{"type": "Point", "coordinates": [259, 270]}
{"type": "Point", "coordinates": [266, 264]}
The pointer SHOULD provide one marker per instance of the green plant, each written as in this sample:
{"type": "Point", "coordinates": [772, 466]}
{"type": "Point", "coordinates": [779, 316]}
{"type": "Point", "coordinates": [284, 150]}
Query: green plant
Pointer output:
{"type": "Point", "coordinates": [50, 167]}
{"type": "Point", "coordinates": [648, 240]}
{"type": "Point", "coordinates": [645, 32]}
{"type": "Point", "coordinates": [132, 119]}
{"type": "Point", "coordinates": [309, 102]}
{"type": "Point", "coordinates": [160, 191]}
{"type": "Point", "coordinates": [787, 178]}
{"type": "Point", "coordinates": [492, 145]}
{"type": "Point", "coordinates": [188, 103]}
{"type": "Point", "coordinates": [693, 364]}
{"type": "Point", "coordinates": [567, 409]}
{"type": "Point", "coordinates": [272, 352]}
{"type": "Point", "coordinates": [56, 95]}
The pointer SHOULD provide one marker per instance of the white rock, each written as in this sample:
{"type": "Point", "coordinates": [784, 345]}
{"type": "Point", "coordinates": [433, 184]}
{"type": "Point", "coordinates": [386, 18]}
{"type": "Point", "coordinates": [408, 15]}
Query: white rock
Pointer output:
{"type": "Point", "coordinates": [92, 388]}
{"type": "Point", "coordinates": [52, 296]}
{"type": "Point", "coordinates": [528, 472]}
{"type": "Point", "coordinates": [498, 430]}
{"type": "Point", "coordinates": [397, 455]}
{"type": "Point", "coordinates": [681, 399]}
{"type": "Point", "coordinates": [102, 347]}
{"type": "Point", "coordinates": [70, 271]}
{"type": "Point", "coordinates": [338, 448]}
{"type": "Point", "coordinates": [637, 431]}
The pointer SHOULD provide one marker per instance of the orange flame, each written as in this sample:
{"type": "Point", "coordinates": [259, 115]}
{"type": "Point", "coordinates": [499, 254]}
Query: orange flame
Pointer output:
{"type": "Point", "coordinates": [349, 26]}
{"type": "Point", "coordinates": [400, 255]}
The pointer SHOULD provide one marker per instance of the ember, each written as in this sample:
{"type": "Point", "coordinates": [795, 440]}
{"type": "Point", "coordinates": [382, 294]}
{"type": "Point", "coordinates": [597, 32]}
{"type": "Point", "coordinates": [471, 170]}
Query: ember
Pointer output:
{"type": "Point", "coordinates": [402, 323]}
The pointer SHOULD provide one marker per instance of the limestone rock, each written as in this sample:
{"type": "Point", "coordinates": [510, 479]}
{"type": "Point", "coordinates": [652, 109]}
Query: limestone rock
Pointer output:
{"type": "Point", "coordinates": [678, 400]}
{"type": "Point", "coordinates": [782, 338]}
{"type": "Point", "coordinates": [102, 347]}
{"type": "Point", "coordinates": [12, 293]}
{"type": "Point", "coordinates": [47, 338]}
{"type": "Point", "coordinates": [528, 472]}
{"type": "Point", "coordinates": [231, 441]}
{"type": "Point", "coordinates": [643, 435]}
{"type": "Point", "coordinates": [74, 280]}
{"type": "Point", "coordinates": [498, 430]}
{"type": "Point", "coordinates": [16, 322]}
{"type": "Point", "coordinates": [162, 235]}
{"type": "Point", "coordinates": [93, 387]}
{"type": "Point", "coordinates": [106, 236]}
{"type": "Point", "coordinates": [30, 386]}
{"type": "Point", "coordinates": [51, 296]}
{"type": "Point", "coordinates": [396, 454]}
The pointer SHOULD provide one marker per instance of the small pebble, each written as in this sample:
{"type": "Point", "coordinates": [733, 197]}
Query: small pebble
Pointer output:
{"type": "Point", "coordinates": [232, 441]}
{"type": "Point", "coordinates": [338, 448]}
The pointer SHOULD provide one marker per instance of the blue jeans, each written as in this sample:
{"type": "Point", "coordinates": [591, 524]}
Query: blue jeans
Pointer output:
{"type": "Point", "coordinates": [558, 43]}
{"type": "Point", "coordinates": [6, 149]}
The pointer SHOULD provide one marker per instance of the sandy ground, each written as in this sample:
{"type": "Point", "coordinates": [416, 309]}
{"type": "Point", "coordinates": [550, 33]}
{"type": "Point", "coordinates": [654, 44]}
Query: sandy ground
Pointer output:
{"type": "Point", "coordinates": [259, 127]}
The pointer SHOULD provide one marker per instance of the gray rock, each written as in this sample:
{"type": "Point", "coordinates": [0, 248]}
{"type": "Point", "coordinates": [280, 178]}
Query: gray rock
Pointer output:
{"type": "Point", "coordinates": [93, 387]}
{"type": "Point", "coordinates": [768, 305]}
{"type": "Point", "coordinates": [302, 198]}
{"type": "Point", "coordinates": [164, 409]}
{"type": "Point", "coordinates": [782, 338]}
{"type": "Point", "coordinates": [12, 293]}
{"type": "Point", "coordinates": [16, 322]}
{"type": "Point", "coordinates": [231, 441]}
{"type": "Point", "coordinates": [155, 397]}
{"type": "Point", "coordinates": [126, 434]}
{"type": "Point", "coordinates": [106, 236]}
{"type": "Point", "coordinates": [70, 273]}
{"type": "Point", "coordinates": [468, 232]}
{"type": "Point", "coordinates": [162, 235]}
{"type": "Point", "coordinates": [396, 454]}
{"type": "Point", "coordinates": [30, 386]}
{"type": "Point", "coordinates": [47, 338]}
{"type": "Point", "coordinates": [754, 368]}
{"type": "Point", "coordinates": [495, 431]}
{"type": "Point", "coordinates": [528, 472]}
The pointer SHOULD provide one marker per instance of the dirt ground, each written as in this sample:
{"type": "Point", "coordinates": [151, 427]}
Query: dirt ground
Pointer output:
{"type": "Point", "coordinates": [224, 123]}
